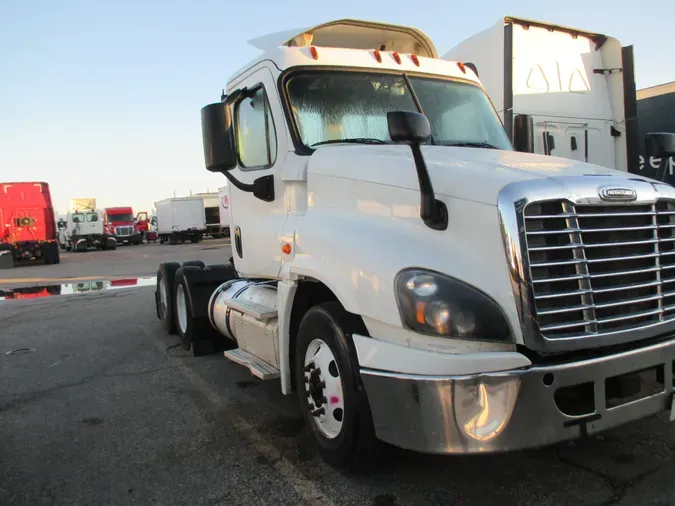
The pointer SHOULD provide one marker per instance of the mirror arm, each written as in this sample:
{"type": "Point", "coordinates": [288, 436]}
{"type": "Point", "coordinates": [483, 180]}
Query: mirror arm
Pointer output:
{"type": "Point", "coordinates": [262, 188]}
{"type": "Point", "coordinates": [433, 212]}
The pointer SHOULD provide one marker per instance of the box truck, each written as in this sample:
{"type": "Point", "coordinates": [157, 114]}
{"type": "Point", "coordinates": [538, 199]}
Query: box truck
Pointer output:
{"type": "Point", "coordinates": [180, 219]}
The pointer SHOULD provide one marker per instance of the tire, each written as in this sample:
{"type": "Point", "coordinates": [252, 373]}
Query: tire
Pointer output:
{"type": "Point", "coordinates": [195, 332]}
{"type": "Point", "coordinates": [51, 254]}
{"type": "Point", "coordinates": [347, 440]}
{"type": "Point", "coordinates": [164, 290]}
{"type": "Point", "coordinates": [194, 263]}
{"type": "Point", "coordinates": [194, 239]}
{"type": "Point", "coordinates": [6, 259]}
{"type": "Point", "coordinates": [173, 240]}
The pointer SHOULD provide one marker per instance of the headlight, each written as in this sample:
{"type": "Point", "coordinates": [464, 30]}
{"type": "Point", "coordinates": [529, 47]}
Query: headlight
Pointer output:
{"type": "Point", "coordinates": [432, 303]}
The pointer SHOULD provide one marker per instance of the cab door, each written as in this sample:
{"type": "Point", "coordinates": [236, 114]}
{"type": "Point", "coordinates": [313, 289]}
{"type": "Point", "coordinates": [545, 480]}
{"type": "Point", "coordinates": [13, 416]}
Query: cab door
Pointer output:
{"type": "Point", "coordinates": [261, 144]}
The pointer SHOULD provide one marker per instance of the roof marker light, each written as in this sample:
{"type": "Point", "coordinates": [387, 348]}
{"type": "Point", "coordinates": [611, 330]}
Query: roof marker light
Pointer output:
{"type": "Point", "coordinates": [461, 67]}
{"type": "Point", "coordinates": [378, 56]}
{"type": "Point", "coordinates": [397, 57]}
{"type": "Point", "coordinates": [415, 59]}
{"type": "Point", "coordinates": [314, 52]}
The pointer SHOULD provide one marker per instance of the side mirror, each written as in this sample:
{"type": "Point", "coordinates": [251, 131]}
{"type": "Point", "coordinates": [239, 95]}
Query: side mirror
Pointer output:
{"type": "Point", "coordinates": [406, 126]}
{"type": "Point", "coordinates": [660, 144]}
{"type": "Point", "coordinates": [523, 133]}
{"type": "Point", "coordinates": [218, 138]}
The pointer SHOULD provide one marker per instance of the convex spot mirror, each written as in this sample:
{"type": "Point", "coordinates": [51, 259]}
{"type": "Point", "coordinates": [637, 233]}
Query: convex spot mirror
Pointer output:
{"type": "Point", "coordinates": [523, 133]}
{"type": "Point", "coordinates": [407, 126]}
{"type": "Point", "coordinates": [218, 138]}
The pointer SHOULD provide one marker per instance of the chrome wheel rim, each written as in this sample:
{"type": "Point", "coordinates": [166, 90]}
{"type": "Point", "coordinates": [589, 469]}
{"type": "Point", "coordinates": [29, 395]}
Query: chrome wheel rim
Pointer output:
{"type": "Point", "coordinates": [181, 309]}
{"type": "Point", "coordinates": [163, 299]}
{"type": "Point", "coordinates": [323, 388]}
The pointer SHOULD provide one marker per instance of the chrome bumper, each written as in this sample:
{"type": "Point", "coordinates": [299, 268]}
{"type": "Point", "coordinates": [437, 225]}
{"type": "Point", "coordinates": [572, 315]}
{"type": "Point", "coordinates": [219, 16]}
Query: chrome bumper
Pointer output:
{"type": "Point", "coordinates": [512, 410]}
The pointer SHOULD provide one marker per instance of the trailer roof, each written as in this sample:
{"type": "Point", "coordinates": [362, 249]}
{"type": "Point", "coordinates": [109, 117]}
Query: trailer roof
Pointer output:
{"type": "Point", "coordinates": [598, 38]}
{"type": "Point", "coordinates": [654, 91]}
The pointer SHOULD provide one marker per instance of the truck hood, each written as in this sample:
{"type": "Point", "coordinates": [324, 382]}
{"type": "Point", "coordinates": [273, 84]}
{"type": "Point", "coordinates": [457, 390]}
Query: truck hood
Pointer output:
{"type": "Point", "coordinates": [468, 173]}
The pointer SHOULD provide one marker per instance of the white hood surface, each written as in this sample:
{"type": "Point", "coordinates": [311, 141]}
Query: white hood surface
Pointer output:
{"type": "Point", "coordinates": [475, 174]}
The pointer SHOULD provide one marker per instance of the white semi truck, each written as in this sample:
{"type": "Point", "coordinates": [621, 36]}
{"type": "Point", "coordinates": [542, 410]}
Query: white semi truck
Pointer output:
{"type": "Point", "coordinates": [85, 229]}
{"type": "Point", "coordinates": [575, 87]}
{"type": "Point", "coordinates": [407, 273]}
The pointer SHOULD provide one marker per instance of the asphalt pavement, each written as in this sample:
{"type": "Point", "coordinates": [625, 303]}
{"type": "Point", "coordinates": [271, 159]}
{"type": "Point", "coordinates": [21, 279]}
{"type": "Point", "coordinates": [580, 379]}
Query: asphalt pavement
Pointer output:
{"type": "Point", "coordinates": [99, 406]}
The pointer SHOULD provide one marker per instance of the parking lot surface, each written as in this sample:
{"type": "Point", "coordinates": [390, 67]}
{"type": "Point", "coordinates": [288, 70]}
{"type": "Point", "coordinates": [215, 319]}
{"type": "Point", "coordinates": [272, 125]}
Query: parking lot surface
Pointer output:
{"type": "Point", "coordinates": [99, 406]}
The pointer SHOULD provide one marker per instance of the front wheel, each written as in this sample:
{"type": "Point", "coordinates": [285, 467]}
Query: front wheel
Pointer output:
{"type": "Point", "coordinates": [332, 397]}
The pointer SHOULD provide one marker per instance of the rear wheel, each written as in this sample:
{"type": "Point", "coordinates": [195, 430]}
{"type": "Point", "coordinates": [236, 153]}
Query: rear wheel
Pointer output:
{"type": "Point", "coordinates": [164, 295]}
{"type": "Point", "coordinates": [51, 254]}
{"type": "Point", "coordinates": [193, 288]}
{"type": "Point", "coordinates": [332, 397]}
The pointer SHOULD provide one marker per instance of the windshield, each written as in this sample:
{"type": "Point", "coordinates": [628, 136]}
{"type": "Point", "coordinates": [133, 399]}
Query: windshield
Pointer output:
{"type": "Point", "coordinates": [121, 217]}
{"type": "Point", "coordinates": [78, 218]}
{"type": "Point", "coordinates": [332, 105]}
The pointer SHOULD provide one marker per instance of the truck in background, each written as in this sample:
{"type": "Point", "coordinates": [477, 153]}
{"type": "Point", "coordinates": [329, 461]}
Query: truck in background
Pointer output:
{"type": "Point", "coordinates": [86, 229]}
{"type": "Point", "coordinates": [224, 210]}
{"type": "Point", "coordinates": [575, 88]}
{"type": "Point", "coordinates": [211, 213]}
{"type": "Point", "coordinates": [180, 219]}
{"type": "Point", "coordinates": [145, 227]}
{"type": "Point", "coordinates": [27, 224]}
{"type": "Point", "coordinates": [123, 225]}
{"type": "Point", "coordinates": [554, 322]}
{"type": "Point", "coordinates": [656, 113]}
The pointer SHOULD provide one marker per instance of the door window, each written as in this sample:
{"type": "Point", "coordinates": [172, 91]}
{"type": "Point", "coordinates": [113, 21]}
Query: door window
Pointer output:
{"type": "Point", "coordinates": [256, 136]}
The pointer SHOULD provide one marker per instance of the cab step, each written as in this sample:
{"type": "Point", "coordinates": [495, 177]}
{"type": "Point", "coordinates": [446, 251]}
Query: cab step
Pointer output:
{"type": "Point", "coordinates": [259, 368]}
{"type": "Point", "coordinates": [255, 309]}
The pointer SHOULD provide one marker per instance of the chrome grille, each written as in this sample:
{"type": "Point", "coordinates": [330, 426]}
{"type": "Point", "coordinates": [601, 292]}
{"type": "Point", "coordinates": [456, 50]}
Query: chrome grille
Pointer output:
{"type": "Point", "coordinates": [597, 269]}
{"type": "Point", "coordinates": [124, 231]}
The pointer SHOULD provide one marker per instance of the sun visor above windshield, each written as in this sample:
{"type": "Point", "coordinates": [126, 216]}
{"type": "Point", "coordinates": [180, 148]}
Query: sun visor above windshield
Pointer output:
{"type": "Point", "coordinates": [353, 34]}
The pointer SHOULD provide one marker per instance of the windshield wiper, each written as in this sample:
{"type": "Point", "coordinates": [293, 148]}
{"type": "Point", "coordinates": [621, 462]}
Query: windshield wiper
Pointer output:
{"type": "Point", "coordinates": [471, 144]}
{"type": "Point", "coordinates": [357, 140]}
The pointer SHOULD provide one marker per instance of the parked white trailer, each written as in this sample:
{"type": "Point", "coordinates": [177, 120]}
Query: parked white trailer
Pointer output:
{"type": "Point", "coordinates": [224, 209]}
{"type": "Point", "coordinates": [575, 86]}
{"type": "Point", "coordinates": [180, 219]}
{"type": "Point", "coordinates": [407, 273]}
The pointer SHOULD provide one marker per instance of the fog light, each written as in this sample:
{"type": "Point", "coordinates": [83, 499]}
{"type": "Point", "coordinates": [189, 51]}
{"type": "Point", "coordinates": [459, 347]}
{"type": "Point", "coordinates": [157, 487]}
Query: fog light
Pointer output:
{"type": "Point", "coordinates": [484, 406]}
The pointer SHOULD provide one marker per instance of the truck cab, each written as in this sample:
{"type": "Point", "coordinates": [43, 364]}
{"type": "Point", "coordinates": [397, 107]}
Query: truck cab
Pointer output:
{"type": "Point", "coordinates": [122, 225]}
{"type": "Point", "coordinates": [407, 273]}
{"type": "Point", "coordinates": [85, 229]}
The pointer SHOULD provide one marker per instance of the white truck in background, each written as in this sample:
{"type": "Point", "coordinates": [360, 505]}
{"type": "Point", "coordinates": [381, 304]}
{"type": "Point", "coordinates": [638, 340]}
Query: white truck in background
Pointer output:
{"type": "Point", "coordinates": [224, 210]}
{"type": "Point", "coordinates": [85, 229]}
{"type": "Point", "coordinates": [411, 276]}
{"type": "Point", "coordinates": [211, 213]}
{"type": "Point", "coordinates": [574, 88]}
{"type": "Point", "coordinates": [180, 219]}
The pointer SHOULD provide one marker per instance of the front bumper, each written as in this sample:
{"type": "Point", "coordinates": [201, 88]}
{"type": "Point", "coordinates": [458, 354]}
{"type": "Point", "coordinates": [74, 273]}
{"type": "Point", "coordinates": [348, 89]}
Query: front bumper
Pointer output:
{"type": "Point", "coordinates": [127, 239]}
{"type": "Point", "coordinates": [521, 408]}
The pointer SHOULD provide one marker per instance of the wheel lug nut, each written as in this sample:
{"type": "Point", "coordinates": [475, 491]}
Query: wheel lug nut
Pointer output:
{"type": "Point", "coordinates": [318, 412]}
{"type": "Point", "coordinates": [309, 367]}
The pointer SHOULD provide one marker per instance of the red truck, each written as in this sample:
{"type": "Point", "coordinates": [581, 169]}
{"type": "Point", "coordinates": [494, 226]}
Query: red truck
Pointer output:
{"type": "Point", "coordinates": [120, 224]}
{"type": "Point", "coordinates": [27, 224]}
{"type": "Point", "coordinates": [143, 226]}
